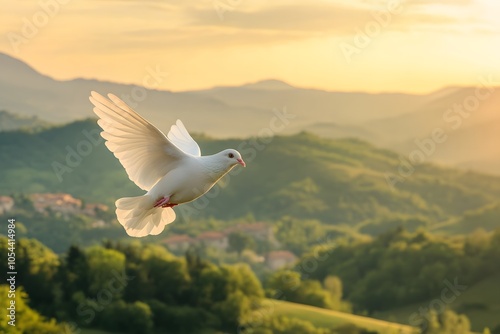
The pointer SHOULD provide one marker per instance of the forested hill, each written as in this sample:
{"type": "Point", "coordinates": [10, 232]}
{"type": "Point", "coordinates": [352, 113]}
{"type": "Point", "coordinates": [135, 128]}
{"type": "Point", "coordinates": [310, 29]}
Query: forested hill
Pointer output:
{"type": "Point", "coordinates": [10, 121]}
{"type": "Point", "coordinates": [335, 181]}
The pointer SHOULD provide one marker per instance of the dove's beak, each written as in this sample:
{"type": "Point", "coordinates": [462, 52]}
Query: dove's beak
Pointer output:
{"type": "Point", "coordinates": [241, 162]}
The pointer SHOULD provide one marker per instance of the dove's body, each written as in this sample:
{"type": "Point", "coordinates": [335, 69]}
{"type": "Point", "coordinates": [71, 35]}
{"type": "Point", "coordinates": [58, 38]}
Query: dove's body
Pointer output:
{"type": "Point", "coordinates": [192, 179]}
{"type": "Point", "coordinates": [170, 168]}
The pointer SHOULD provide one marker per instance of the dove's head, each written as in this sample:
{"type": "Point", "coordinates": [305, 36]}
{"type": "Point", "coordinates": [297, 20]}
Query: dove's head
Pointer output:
{"type": "Point", "coordinates": [232, 157]}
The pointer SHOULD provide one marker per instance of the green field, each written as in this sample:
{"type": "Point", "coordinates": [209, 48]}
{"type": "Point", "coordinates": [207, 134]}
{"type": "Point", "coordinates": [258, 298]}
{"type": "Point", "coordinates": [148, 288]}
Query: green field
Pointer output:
{"type": "Point", "coordinates": [480, 302]}
{"type": "Point", "coordinates": [331, 319]}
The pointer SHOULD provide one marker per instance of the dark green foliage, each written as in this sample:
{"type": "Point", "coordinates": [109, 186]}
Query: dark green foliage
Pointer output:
{"type": "Point", "coordinates": [127, 318]}
{"type": "Point", "coordinates": [181, 319]}
{"type": "Point", "coordinates": [134, 288]}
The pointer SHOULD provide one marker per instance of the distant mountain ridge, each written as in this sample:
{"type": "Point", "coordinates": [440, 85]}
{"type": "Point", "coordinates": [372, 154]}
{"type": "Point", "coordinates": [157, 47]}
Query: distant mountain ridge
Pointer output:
{"type": "Point", "coordinates": [391, 120]}
{"type": "Point", "coordinates": [248, 107]}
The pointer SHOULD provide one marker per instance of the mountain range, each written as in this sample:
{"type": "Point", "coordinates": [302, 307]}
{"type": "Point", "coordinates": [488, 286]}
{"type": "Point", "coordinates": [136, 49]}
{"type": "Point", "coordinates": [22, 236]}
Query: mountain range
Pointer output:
{"type": "Point", "coordinates": [390, 120]}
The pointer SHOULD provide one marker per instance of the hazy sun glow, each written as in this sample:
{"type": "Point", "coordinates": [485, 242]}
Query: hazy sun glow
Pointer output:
{"type": "Point", "coordinates": [424, 46]}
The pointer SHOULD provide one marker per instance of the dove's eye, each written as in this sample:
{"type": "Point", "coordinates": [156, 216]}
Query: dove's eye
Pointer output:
{"type": "Point", "coordinates": [230, 155]}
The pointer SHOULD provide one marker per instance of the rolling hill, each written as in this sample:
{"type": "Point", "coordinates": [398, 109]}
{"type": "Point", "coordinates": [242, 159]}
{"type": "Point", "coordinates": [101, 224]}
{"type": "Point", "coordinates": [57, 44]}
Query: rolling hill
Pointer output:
{"type": "Point", "coordinates": [480, 302]}
{"type": "Point", "coordinates": [304, 176]}
{"type": "Point", "coordinates": [331, 319]}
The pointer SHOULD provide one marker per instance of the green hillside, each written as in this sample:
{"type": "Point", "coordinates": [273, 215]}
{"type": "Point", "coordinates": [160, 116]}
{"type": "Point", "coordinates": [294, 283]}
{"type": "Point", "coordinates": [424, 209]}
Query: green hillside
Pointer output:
{"type": "Point", "coordinates": [486, 218]}
{"type": "Point", "coordinates": [304, 176]}
{"type": "Point", "coordinates": [331, 319]}
{"type": "Point", "coordinates": [481, 302]}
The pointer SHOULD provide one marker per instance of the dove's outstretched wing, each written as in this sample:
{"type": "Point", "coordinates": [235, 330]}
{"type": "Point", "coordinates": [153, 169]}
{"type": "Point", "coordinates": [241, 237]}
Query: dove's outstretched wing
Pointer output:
{"type": "Point", "coordinates": [143, 150]}
{"type": "Point", "coordinates": [183, 140]}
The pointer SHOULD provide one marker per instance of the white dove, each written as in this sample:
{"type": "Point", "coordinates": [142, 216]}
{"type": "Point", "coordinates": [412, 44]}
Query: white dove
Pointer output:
{"type": "Point", "coordinates": [170, 168]}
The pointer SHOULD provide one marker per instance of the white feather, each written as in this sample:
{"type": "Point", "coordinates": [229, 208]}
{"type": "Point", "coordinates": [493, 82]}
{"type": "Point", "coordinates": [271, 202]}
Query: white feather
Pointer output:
{"type": "Point", "coordinates": [143, 150]}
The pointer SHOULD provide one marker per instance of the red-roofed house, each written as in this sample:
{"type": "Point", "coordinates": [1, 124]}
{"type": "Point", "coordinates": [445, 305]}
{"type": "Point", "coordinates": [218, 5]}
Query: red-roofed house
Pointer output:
{"type": "Point", "coordinates": [64, 203]}
{"type": "Point", "coordinates": [216, 240]}
{"type": "Point", "coordinates": [179, 243]}
{"type": "Point", "coordinates": [6, 204]}
{"type": "Point", "coordinates": [278, 259]}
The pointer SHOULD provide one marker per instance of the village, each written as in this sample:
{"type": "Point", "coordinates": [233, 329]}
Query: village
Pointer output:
{"type": "Point", "coordinates": [219, 241]}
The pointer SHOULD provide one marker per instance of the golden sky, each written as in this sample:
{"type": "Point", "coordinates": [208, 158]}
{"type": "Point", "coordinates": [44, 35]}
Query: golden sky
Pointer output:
{"type": "Point", "coordinates": [413, 46]}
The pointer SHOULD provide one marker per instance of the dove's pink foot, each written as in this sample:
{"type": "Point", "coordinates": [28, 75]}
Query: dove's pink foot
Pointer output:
{"type": "Point", "coordinates": [162, 202]}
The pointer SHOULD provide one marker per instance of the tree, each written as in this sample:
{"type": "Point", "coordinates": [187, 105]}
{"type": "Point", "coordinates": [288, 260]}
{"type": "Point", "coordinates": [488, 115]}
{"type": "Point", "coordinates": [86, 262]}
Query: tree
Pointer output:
{"type": "Point", "coordinates": [104, 266]}
{"type": "Point", "coordinates": [447, 322]}
{"type": "Point", "coordinates": [36, 266]}
{"type": "Point", "coordinates": [238, 242]}
{"type": "Point", "coordinates": [27, 320]}
{"type": "Point", "coordinates": [130, 318]}
{"type": "Point", "coordinates": [177, 318]}
{"type": "Point", "coordinates": [310, 292]}
{"type": "Point", "coordinates": [333, 285]}
{"type": "Point", "coordinates": [75, 271]}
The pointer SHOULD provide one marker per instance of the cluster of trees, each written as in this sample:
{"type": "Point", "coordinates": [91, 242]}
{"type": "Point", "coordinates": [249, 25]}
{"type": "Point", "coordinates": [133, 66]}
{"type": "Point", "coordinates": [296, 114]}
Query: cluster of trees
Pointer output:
{"type": "Point", "coordinates": [131, 287]}
{"type": "Point", "coordinates": [396, 269]}
{"type": "Point", "coordinates": [291, 286]}
{"type": "Point", "coordinates": [400, 268]}
{"type": "Point", "coordinates": [127, 286]}
{"type": "Point", "coordinates": [134, 288]}
{"type": "Point", "coordinates": [446, 322]}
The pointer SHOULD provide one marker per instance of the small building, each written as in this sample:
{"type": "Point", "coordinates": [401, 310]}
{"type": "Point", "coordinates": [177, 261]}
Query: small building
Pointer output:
{"type": "Point", "coordinates": [278, 259]}
{"type": "Point", "coordinates": [60, 202]}
{"type": "Point", "coordinates": [6, 204]}
{"type": "Point", "coordinates": [215, 240]}
{"type": "Point", "coordinates": [179, 243]}
{"type": "Point", "coordinates": [65, 204]}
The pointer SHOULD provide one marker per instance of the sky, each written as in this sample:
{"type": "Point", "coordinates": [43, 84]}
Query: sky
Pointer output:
{"type": "Point", "coordinates": [413, 46]}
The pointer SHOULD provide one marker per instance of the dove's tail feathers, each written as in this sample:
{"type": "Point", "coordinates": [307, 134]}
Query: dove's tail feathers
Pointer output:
{"type": "Point", "coordinates": [139, 217]}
